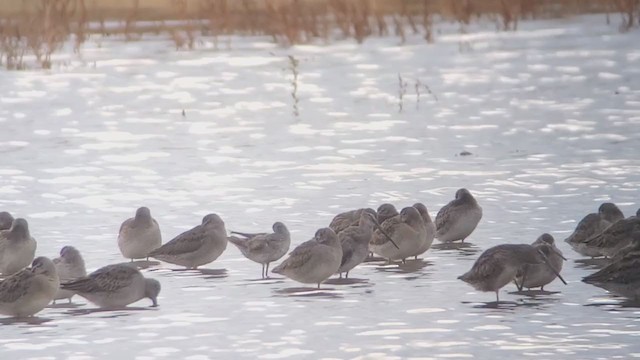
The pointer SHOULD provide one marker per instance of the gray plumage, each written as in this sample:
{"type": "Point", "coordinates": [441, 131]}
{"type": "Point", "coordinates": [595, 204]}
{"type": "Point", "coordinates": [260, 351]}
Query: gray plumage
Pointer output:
{"type": "Point", "coordinates": [313, 261]}
{"type": "Point", "coordinates": [457, 220]}
{"type": "Point", "coordinates": [115, 286]}
{"type": "Point", "coordinates": [196, 247]}
{"type": "Point", "coordinates": [355, 242]}
{"type": "Point", "coordinates": [499, 265]}
{"type": "Point", "coordinates": [139, 235]}
{"type": "Point", "coordinates": [386, 211]}
{"type": "Point", "coordinates": [263, 248]}
{"type": "Point", "coordinates": [347, 219]}
{"type": "Point", "coordinates": [430, 228]}
{"type": "Point", "coordinates": [539, 275]}
{"type": "Point", "coordinates": [407, 232]}
{"type": "Point", "coordinates": [615, 237]}
{"type": "Point", "coordinates": [5, 220]}
{"type": "Point", "coordinates": [591, 225]}
{"type": "Point", "coordinates": [70, 266]}
{"type": "Point", "coordinates": [17, 247]}
{"type": "Point", "coordinates": [27, 292]}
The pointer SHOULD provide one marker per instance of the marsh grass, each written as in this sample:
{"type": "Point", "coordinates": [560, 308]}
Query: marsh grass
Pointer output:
{"type": "Point", "coordinates": [39, 28]}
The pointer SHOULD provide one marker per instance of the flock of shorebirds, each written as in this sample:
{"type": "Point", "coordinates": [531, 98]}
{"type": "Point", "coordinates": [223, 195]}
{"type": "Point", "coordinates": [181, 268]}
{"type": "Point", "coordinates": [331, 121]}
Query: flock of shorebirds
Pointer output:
{"type": "Point", "coordinates": [337, 249]}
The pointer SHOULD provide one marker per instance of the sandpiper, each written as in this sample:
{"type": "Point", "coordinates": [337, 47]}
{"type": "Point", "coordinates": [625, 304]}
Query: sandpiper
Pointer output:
{"type": "Point", "coordinates": [540, 275]}
{"type": "Point", "coordinates": [386, 211]}
{"type": "Point", "coordinates": [313, 261]}
{"type": "Point", "coordinates": [263, 248]}
{"type": "Point", "coordinates": [348, 218]}
{"type": "Point", "coordinates": [17, 247]}
{"type": "Point", "coordinates": [5, 220]}
{"type": "Point", "coordinates": [115, 286]}
{"type": "Point", "coordinates": [27, 292]}
{"type": "Point", "coordinates": [458, 219]}
{"type": "Point", "coordinates": [499, 265]}
{"type": "Point", "coordinates": [430, 228]}
{"type": "Point", "coordinates": [406, 235]}
{"type": "Point", "coordinates": [139, 235]}
{"type": "Point", "coordinates": [591, 225]}
{"type": "Point", "coordinates": [198, 246]}
{"type": "Point", "coordinates": [613, 238]}
{"type": "Point", "coordinates": [70, 266]}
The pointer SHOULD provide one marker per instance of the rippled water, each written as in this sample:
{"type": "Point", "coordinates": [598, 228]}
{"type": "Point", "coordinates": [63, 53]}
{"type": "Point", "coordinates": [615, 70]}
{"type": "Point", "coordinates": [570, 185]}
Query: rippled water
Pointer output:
{"type": "Point", "coordinates": [550, 113]}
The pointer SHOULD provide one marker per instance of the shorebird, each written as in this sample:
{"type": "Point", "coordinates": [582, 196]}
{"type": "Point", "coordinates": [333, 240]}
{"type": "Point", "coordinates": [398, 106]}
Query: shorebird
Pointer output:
{"type": "Point", "coordinates": [355, 242]}
{"type": "Point", "coordinates": [613, 238]}
{"type": "Point", "coordinates": [17, 247]}
{"type": "Point", "coordinates": [27, 292]}
{"type": "Point", "coordinates": [263, 248]}
{"type": "Point", "coordinates": [430, 228]}
{"type": "Point", "coordinates": [115, 286]}
{"type": "Point", "coordinates": [499, 265]}
{"type": "Point", "coordinates": [406, 234]}
{"type": "Point", "coordinates": [458, 219]}
{"type": "Point", "coordinates": [313, 261]}
{"type": "Point", "coordinates": [540, 275]}
{"type": "Point", "coordinates": [139, 235]}
{"type": "Point", "coordinates": [198, 246]}
{"type": "Point", "coordinates": [348, 218]}
{"type": "Point", "coordinates": [5, 220]}
{"type": "Point", "coordinates": [621, 277]}
{"type": "Point", "coordinates": [591, 225]}
{"type": "Point", "coordinates": [386, 211]}
{"type": "Point", "coordinates": [70, 266]}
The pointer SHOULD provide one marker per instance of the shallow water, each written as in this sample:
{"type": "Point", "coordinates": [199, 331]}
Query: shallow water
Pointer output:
{"type": "Point", "coordinates": [550, 114]}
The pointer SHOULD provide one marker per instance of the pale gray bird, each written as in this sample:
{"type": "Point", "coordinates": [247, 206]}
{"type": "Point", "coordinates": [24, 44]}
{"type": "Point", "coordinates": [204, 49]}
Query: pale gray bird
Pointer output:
{"type": "Point", "coordinates": [540, 275]}
{"type": "Point", "coordinates": [355, 242]}
{"type": "Point", "coordinates": [17, 247]}
{"type": "Point", "coordinates": [5, 220]}
{"type": "Point", "coordinates": [499, 265]}
{"type": "Point", "coordinates": [591, 225]}
{"type": "Point", "coordinates": [115, 286]}
{"type": "Point", "coordinates": [622, 276]}
{"type": "Point", "coordinates": [70, 266]}
{"type": "Point", "coordinates": [406, 234]}
{"type": "Point", "coordinates": [263, 248]}
{"type": "Point", "coordinates": [196, 247]}
{"type": "Point", "coordinates": [25, 293]}
{"type": "Point", "coordinates": [430, 228]}
{"type": "Point", "coordinates": [458, 219]}
{"type": "Point", "coordinates": [348, 218]}
{"type": "Point", "coordinates": [386, 211]}
{"type": "Point", "coordinates": [139, 235]}
{"type": "Point", "coordinates": [313, 261]}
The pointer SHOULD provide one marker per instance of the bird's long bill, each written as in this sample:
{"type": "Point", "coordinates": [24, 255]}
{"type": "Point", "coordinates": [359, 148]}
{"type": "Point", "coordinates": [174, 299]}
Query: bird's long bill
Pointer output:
{"type": "Point", "coordinates": [385, 234]}
{"type": "Point", "coordinates": [557, 252]}
{"type": "Point", "coordinates": [546, 261]}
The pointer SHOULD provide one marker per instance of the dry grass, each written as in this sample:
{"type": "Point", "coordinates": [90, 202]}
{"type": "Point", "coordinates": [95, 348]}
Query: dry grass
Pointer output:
{"type": "Point", "coordinates": [40, 27]}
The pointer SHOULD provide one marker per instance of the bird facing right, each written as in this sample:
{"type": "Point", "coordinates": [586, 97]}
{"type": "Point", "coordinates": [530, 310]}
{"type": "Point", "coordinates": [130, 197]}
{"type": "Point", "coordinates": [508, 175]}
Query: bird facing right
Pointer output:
{"type": "Point", "coordinates": [263, 248]}
{"type": "Point", "coordinates": [115, 286]}
{"type": "Point", "coordinates": [348, 218]}
{"type": "Point", "coordinates": [457, 220]}
{"type": "Point", "coordinates": [540, 275]}
{"type": "Point", "coordinates": [313, 261]}
{"type": "Point", "coordinates": [70, 266]}
{"type": "Point", "coordinates": [17, 247]}
{"type": "Point", "coordinates": [27, 292]}
{"type": "Point", "coordinates": [139, 235]}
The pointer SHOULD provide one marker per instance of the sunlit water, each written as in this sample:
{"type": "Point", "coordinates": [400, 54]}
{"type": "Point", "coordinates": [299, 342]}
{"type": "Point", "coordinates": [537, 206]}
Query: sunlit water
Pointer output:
{"type": "Point", "coordinates": [550, 115]}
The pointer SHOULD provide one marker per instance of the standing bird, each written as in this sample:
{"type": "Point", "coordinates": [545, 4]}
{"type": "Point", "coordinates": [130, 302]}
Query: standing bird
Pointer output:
{"type": "Point", "coordinates": [70, 266]}
{"type": "Point", "coordinates": [499, 265]}
{"type": "Point", "coordinates": [348, 218]}
{"type": "Point", "coordinates": [115, 286]}
{"type": "Point", "coordinates": [139, 235]}
{"type": "Point", "coordinates": [198, 246]}
{"type": "Point", "coordinates": [263, 248]}
{"type": "Point", "coordinates": [540, 275]}
{"type": "Point", "coordinates": [622, 276]}
{"type": "Point", "coordinates": [386, 211]}
{"type": "Point", "coordinates": [591, 225]}
{"type": "Point", "coordinates": [355, 242]}
{"type": "Point", "coordinates": [429, 226]}
{"type": "Point", "coordinates": [458, 219]}
{"type": "Point", "coordinates": [406, 234]}
{"type": "Point", "coordinates": [17, 247]}
{"type": "Point", "coordinates": [613, 238]}
{"type": "Point", "coordinates": [313, 261]}
{"type": "Point", "coordinates": [27, 292]}
{"type": "Point", "coordinates": [5, 220]}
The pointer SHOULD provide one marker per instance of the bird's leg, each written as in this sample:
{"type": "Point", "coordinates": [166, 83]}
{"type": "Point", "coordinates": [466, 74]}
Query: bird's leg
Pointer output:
{"type": "Point", "coordinates": [347, 275]}
{"type": "Point", "coordinates": [524, 276]}
{"type": "Point", "coordinates": [497, 296]}
{"type": "Point", "coordinates": [69, 300]}
{"type": "Point", "coordinates": [318, 286]}
{"type": "Point", "coordinates": [340, 276]}
{"type": "Point", "coordinates": [266, 272]}
{"type": "Point", "coordinates": [404, 261]}
{"type": "Point", "coordinates": [416, 258]}
{"type": "Point", "coordinates": [131, 260]}
{"type": "Point", "coordinates": [542, 288]}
